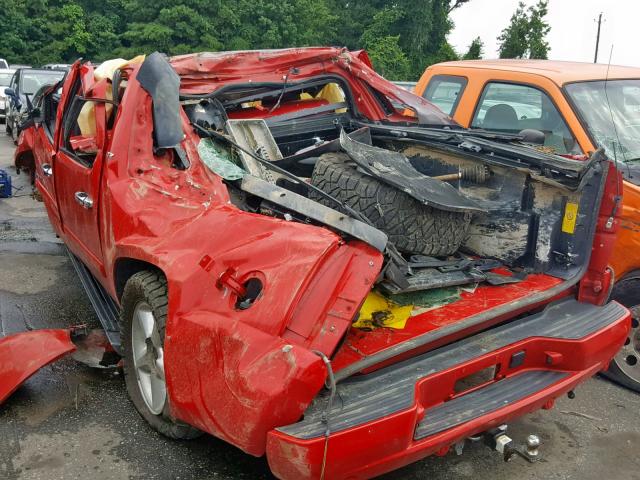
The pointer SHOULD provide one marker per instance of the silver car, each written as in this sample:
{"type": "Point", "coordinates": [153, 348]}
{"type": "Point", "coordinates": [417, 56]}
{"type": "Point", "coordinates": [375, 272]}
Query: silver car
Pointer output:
{"type": "Point", "coordinates": [24, 83]}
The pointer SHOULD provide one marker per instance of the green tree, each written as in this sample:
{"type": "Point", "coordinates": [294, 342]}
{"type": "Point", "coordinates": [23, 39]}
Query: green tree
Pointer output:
{"type": "Point", "coordinates": [424, 29]}
{"type": "Point", "coordinates": [402, 43]}
{"type": "Point", "coordinates": [538, 30]}
{"type": "Point", "coordinates": [475, 51]}
{"type": "Point", "coordinates": [173, 29]}
{"type": "Point", "coordinates": [384, 49]}
{"type": "Point", "coordinates": [20, 24]}
{"type": "Point", "coordinates": [354, 17]}
{"type": "Point", "coordinates": [67, 30]}
{"type": "Point", "coordinates": [525, 37]}
{"type": "Point", "coordinates": [290, 23]}
{"type": "Point", "coordinates": [421, 27]}
{"type": "Point", "coordinates": [513, 39]}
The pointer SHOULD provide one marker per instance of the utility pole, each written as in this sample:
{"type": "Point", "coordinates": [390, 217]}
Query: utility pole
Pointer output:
{"type": "Point", "coordinates": [595, 59]}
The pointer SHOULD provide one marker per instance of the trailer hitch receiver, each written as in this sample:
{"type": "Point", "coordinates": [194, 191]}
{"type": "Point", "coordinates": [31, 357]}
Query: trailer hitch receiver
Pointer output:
{"type": "Point", "coordinates": [498, 440]}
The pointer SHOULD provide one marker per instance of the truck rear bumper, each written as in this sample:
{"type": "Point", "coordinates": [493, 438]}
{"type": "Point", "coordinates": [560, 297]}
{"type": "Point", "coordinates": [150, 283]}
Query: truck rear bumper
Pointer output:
{"type": "Point", "coordinates": [397, 415]}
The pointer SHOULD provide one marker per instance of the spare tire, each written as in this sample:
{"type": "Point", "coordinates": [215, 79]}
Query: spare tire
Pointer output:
{"type": "Point", "coordinates": [412, 226]}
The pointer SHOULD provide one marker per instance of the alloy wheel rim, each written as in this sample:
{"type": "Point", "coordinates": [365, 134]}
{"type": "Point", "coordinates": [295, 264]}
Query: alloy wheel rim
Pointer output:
{"type": "Point", "coordinates": [148, 358]}
{"type": "Point", "coordinates": [628, 358]}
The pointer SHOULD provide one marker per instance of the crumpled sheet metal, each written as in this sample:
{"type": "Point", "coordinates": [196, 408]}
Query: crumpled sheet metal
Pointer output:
{"type": "Point", "coordinates": [394, 169]}
{"type": "Point", "coordinates": [23, 354]}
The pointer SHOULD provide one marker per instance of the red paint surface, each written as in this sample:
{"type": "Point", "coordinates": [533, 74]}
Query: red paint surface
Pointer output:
{"type": "Point", "coordinates": [23, 354]}
{"type": "Point", "coordinates": [288, 107]}
{"type": "Point", "coordinates": [238, 374]}
{"type": "Point", "coordinates": [596, 285]}
{"type": "Point", "coordinates": [207, 72]}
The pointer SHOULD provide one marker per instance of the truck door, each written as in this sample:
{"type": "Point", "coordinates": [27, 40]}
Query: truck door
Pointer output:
{"type": "Point", "coordinates": [78, 169]}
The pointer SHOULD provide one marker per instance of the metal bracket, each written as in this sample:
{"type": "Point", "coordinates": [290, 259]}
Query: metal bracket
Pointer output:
{"type": "Point", "coordinates": [566, 259]}
{"type": "Point", "coordinates": [227, 279]}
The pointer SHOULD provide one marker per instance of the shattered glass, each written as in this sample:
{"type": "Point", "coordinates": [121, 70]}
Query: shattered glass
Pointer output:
{"type": "Point", "coordinates": [218, 160]}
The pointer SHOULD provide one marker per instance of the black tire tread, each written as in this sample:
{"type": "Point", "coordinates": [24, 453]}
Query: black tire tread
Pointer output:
{"type": "Point", "coordinates": [626, 291]}
{"type": "Point", "coordinates": [150, 286]}
{"type": "Point", "coordinates": [410, 225]}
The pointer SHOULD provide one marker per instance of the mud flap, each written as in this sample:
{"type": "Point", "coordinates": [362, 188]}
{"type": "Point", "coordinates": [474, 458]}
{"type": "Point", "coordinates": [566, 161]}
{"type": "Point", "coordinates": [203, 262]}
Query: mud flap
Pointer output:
{"type": "Point", "coordinates": [23, 354]}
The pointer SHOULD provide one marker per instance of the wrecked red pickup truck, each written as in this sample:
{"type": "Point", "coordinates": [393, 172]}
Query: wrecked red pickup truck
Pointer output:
{"type": "Point", "coordinates": [298, 257]}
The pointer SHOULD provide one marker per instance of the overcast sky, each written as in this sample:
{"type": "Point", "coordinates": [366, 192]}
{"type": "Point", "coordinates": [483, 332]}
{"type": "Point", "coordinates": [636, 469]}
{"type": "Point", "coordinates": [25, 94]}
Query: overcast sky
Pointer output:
{"type": "Point", "coordinates": [573, 28]}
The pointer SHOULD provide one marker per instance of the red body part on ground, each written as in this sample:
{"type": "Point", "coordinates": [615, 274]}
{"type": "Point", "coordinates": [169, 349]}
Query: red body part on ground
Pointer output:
{"type": "Point", "coordinates": [23, 354]}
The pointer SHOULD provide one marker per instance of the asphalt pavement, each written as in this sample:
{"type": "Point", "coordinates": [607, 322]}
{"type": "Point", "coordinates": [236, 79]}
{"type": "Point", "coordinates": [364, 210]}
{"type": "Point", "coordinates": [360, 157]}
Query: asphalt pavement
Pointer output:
{"type": "Point", "coordinates": [72, 422]}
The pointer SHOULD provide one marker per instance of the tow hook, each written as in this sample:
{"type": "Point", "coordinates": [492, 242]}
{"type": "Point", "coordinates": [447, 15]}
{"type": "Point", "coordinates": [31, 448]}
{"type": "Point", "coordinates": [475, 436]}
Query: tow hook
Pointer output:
{"type": "Point", "coordinates": [497, 439]}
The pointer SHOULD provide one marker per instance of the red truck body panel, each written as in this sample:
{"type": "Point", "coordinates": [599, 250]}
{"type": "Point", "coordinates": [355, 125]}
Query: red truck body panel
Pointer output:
{"type": "Point", "coordinates": [239, 374]}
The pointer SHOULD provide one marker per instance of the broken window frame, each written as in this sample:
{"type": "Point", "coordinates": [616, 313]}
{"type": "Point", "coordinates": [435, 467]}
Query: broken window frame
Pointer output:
{"type": "Point", "coordinates": [71, 114]}
{"type": "Point", "coordinates": [276, 88]}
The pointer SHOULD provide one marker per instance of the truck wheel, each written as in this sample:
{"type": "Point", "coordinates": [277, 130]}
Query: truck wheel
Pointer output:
{"type": "Point", "coordinates": [410, 225]}
{"type": "Point", "coordinates": [625, 367]}
{"type": "Point", "coordinates": [143, 318]}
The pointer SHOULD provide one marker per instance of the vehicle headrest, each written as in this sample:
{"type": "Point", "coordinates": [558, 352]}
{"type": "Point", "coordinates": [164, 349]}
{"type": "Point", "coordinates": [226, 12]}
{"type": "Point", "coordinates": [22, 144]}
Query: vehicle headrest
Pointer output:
{"type": "Point", "coordinates": [30, 85]}
{"type": "Point", "coordinates": [501, 117]}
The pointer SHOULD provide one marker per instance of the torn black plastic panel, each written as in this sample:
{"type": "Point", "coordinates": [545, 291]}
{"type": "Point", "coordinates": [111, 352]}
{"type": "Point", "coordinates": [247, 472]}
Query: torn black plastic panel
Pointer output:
{"type": "Point", "coordinates": [315, 211]}
{"type": "Point", "coordinates": [160, 80]}
{"type": "Point", "coordinates": [394, 169]}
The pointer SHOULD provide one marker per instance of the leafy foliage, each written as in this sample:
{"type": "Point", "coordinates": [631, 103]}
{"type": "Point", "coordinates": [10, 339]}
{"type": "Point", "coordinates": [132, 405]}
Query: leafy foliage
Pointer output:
{"type": "Point", "coordinates": [476, 50]}
{"type": "Point", "coordinates": [525, 37]}
{"type": "Point", "coordinates": [383, 48]}
{"type": "Point", "coordinates": [538, 30]}
{"type": "Point", "coordinates": [402, 36]}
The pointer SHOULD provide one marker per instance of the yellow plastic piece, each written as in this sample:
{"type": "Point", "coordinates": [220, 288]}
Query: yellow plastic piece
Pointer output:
{"type": "Point", "coordinates": [570, 218]}
{"type": "Point", "coordinates": [87, 120]}
{"type": "Point", "coordinates": [331, 92]}
{"type": "Point", "coordinates": [87, 117]}
{"type": "Point", "coordinates": [378, 311]}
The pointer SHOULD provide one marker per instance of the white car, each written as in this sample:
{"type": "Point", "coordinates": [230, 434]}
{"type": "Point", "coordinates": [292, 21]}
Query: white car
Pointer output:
{"type": "Point", "coordinates": [5, 78]}
{"type": "Point", "coordinates": [3, 64]}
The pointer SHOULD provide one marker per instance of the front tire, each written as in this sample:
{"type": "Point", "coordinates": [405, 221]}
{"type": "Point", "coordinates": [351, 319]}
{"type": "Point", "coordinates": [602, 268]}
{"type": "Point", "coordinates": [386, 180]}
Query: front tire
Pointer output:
{"type": "Point", "coordinates": [625, 367]}
{"type": "Point", "coordinates": [143, 318]}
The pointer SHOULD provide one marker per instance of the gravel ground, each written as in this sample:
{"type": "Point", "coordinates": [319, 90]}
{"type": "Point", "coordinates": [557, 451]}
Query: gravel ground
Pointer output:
{"type": "Point", "coordinates": [71, 422]}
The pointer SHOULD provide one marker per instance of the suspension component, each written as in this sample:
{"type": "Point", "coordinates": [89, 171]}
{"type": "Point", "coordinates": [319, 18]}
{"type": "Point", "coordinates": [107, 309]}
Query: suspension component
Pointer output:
{"type": "Point", "coordinates": [474, 174]}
